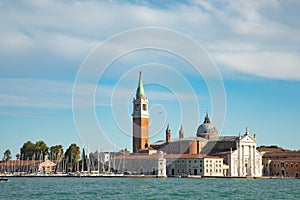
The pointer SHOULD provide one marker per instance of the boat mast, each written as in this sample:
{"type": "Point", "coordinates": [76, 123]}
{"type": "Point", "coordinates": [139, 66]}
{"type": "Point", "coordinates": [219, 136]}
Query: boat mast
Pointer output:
{"type": "Point", "coordinates": [82, 161]}
{"type": "Point", "coordinates": [98, 161]}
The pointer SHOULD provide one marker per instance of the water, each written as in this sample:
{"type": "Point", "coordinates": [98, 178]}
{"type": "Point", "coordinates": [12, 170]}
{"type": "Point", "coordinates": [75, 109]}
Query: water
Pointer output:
{"type": "Point", "coordinates": [149, 188]}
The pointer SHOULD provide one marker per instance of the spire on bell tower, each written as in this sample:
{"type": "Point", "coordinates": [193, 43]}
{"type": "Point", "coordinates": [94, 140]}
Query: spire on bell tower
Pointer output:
{"type": "Point", "coordinates": [140, 92]}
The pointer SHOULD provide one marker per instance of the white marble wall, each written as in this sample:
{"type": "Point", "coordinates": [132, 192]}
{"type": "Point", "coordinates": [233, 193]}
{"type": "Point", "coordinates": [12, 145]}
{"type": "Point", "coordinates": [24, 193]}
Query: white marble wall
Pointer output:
{"type": "Point", "coordinates": [246, 160]}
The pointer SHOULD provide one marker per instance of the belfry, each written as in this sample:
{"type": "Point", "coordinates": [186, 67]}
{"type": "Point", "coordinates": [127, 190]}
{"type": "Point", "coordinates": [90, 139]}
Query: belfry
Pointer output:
{"type": "Point", "coordinates": [140, 118]}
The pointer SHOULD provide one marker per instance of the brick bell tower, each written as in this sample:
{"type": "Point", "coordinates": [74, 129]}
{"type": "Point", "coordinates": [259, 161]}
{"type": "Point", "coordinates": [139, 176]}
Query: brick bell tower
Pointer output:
{"type": "Point", "coordinates": [140, 118]}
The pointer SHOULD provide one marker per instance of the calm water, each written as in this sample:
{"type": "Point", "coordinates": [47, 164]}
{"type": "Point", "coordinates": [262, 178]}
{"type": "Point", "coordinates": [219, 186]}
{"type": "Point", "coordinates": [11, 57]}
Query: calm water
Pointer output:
{"type": "Point", "coordinates": [129, 188]}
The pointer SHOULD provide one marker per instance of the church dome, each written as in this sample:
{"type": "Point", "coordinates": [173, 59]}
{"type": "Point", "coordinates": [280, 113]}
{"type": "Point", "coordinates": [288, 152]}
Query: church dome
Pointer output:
{"type": "Point", "coordinates": [207, 130]}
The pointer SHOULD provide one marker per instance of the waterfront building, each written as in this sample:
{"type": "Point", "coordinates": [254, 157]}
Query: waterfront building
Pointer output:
{"type": "Point", "coordinates": [142, 164]}
{"type": "Point", "coordinates": [241, 159]}
{"type": "Point", "coordinates": [239, 153]}
{"type": "Point", "coordinates": [205, 154]}
{"type": "Point", "coordinates": [47, 166]}
{"type": "Point", "coordinates": [161, 164]}
{"type": "Point", "coordinates": [17, 167]}
{"type": "Point", "coordinates": [194, 165]}
{"type": "Point", "coordinates": [280, 162]}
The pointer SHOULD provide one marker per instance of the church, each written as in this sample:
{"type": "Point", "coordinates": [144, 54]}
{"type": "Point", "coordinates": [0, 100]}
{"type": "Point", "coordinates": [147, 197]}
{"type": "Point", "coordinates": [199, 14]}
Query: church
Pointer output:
{"type": "Point", "coordinates": [205, 154]}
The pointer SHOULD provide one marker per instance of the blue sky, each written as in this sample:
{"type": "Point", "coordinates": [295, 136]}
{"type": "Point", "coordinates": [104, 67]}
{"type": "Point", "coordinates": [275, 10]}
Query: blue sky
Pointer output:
{"type": "Point", "coordinates": [254, 44]}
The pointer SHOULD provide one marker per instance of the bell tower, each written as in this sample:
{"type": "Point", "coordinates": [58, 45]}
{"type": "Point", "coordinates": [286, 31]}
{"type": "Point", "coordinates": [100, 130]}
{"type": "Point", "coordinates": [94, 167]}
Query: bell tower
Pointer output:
{"type": "Point", "coordinates": [140, 118]}
{"type": "Point", "coordinates": [168, 134]}
{"type": "Point", "coordinates": [181, 133]}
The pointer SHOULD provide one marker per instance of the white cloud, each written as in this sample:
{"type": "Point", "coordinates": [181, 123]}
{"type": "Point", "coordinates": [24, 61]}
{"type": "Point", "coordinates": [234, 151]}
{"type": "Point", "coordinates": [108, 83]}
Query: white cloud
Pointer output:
{"type": "Point", "coordinates": [69, 29]}
{"type": "Point", "coordinates": [35, 93]}
{"type": "Point", "coordinates": [277, 65]}
{"type": "Point", "coordinates": [58, 94]}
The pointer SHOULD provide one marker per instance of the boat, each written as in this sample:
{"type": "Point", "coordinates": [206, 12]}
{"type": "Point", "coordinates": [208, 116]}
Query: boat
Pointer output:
{"type": "Point", "coordinates": [3, 179]}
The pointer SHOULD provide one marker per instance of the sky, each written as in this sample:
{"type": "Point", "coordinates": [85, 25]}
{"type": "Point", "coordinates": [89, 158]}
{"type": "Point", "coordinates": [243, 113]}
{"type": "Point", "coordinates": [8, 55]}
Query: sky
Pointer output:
{"type": "Point", "coordinates": [69, 70]}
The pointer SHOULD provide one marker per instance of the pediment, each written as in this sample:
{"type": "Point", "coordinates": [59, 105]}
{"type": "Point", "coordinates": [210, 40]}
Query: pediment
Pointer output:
{"type": "Point", "coordinates": [248, 138]}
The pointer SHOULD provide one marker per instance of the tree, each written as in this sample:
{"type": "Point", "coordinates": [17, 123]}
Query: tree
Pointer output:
{"type": "Point", "coordinates": [28, 150]}
{"type": "Point", "coordinates": [124, 151]}
{"type": "Point", "coordinates": [7, 155]}
{"type": "Point", "coordinates": [41, 149]}
{"type": "Point", "coordinates": [33, 151]}
{"type": "Point", "coordinates": [56, 152]}
{"type": "Point", "coordinates": [72, 156]}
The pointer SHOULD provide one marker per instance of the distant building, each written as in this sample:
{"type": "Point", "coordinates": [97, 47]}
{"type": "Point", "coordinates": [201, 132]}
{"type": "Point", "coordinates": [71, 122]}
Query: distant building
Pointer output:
{"type": "Point", "coordinates": [147, 164]}
{"type": "Point", "coordinates": [47, 166]}
{"type": "Point", "coordinates": [160, 164]}
{"type": "Point", "coordinates": [239, 153]}
{"type": "Point", "coordinates": [196, 165]}
{"type": "Point", "coordinates": [280, 162]}
{"type": "Point", "coordinates": [18, 166]}
{"type": "Point", "coordinates": [205, 154]}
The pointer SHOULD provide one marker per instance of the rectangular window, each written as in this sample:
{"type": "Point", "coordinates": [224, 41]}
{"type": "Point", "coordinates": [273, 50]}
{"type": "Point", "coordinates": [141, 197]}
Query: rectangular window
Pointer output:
{"type": "Point", "coordinates": [145, 107]}
{"type": "Point", "coordinates": [281, 164]}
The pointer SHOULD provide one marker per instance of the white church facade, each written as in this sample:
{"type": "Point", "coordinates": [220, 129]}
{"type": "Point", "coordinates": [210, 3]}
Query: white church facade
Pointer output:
{"type": "Point", "coordinates": [245, 160]}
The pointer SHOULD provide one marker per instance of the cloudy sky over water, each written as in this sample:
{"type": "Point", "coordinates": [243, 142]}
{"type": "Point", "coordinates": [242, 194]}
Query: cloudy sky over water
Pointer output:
{"type": "Point", "coordinates": [254, 44]}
